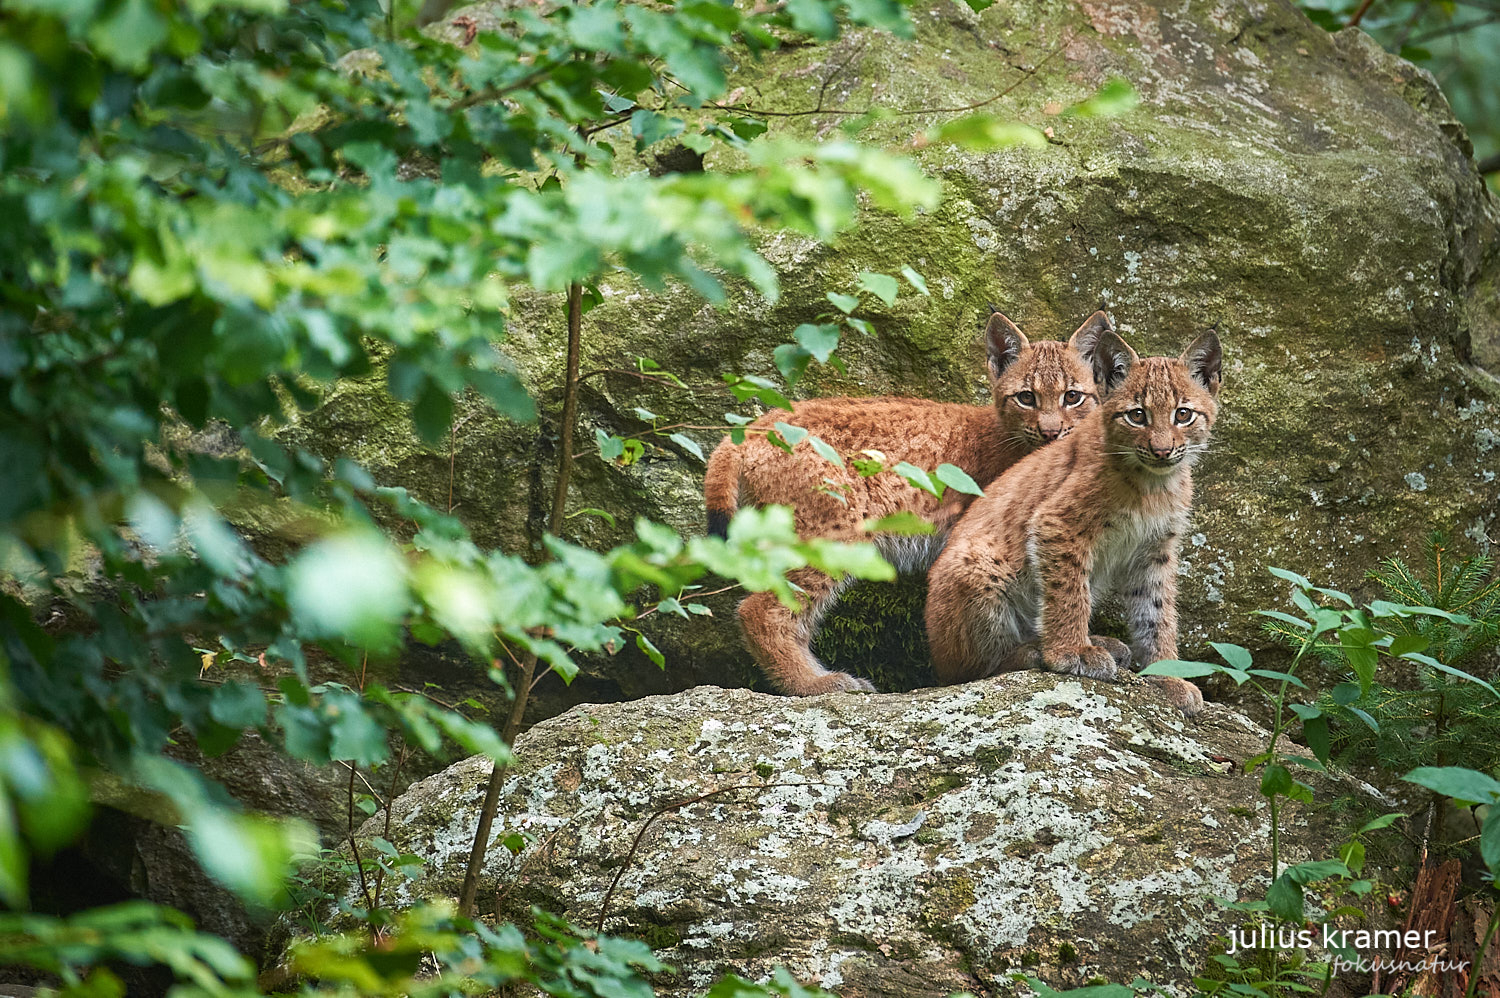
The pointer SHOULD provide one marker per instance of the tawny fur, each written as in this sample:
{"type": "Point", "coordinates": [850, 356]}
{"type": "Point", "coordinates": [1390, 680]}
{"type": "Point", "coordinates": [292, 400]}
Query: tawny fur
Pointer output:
{"type": "Point", "coordinates": [1039, 391]}
{"type": "Point", "coordinates": [1103, 510]}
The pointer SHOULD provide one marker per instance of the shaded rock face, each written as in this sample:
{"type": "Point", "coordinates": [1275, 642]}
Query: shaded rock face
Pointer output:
{"type": "Point", "coordinates": [1307, 192]}
{"type": "Point", "coordinates": [881, 845]}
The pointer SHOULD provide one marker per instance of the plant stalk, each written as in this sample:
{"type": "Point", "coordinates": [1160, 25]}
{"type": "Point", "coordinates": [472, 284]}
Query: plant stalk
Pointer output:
{"type": "Point", "coordinates": [527, 665]}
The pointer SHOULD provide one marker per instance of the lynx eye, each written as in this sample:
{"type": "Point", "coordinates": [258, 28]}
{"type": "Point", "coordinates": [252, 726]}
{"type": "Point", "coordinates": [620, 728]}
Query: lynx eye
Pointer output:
{"type": "Point", "coordinates": [1026, 400]}
{"type": "Point", "coordinates": [1135, 417]}
{"type": "Point", "coordinates": [1184, 416]}
{"type": "Point", "coordinates": [1072, 397]}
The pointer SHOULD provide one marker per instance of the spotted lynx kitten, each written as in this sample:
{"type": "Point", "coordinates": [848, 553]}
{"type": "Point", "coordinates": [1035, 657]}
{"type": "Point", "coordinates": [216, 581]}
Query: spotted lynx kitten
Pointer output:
{"type": "Point", "coordinates": [1040, 392]}
{"type": "Point", "coordinates": [1104, 510]}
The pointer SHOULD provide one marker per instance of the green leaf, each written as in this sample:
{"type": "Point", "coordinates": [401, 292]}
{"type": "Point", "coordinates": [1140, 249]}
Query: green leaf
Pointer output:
{"type": "Point", "coordinates": [1235, 655]}
{"type": "Point", "coordinates": [688, 444]}
{"type": "Point", "coordinates": [918, 478]}
{"type": "Point", "coordinates": [844, 303]}
{"type": "Point", "coordinates": [432, 413]}
{"type": "Point", "coordinates": [649, 128]}
{"type": "Point", "coordinates": [652, 652]}
{"type": "Point", "coordinates": [130, 34]}
{"type": "Point", "coordinates": [351, 586]}
{"type": "Point", "coordinates": [238, 705]}
{"type": "Point", "coordinates": [824, 451]}
{"type": "Point", "coordinates": [1432, 663]}
{"type": "Point", "coordinates": [1489, 842]}
{"type": "Point", "coordinates": [915, 279]}
{"type": "Point", "coordinates": [1276, 779]}
{"type": "Point", "coordinates": [1384, 821]}
{"type": "Point", "coordinates": [602, 514]}
{"type": "Point", "coordinates": [1116, 97]}
{"type": "Point", "coordinates": [1285, 618]}
{"type": "Point", "coordinates": [1181, 669]}
{"type": "Point", "coordinates": [793, 435]}
{"type": "Point", "coordinates": [355, 736]}
{"type": "Point", "coordinates": [611, 447]}
{"type": "Point", "coordinates": [814, 18]}
{"type": "Point", "coordinates": [1457, 782]}
{"type": "Point", "coordinates": [903, 522]}
{"type": "Point", "coordinates": [882, 286]}
{"type": "Point", "coordinates": [1315, 730]}
{"type": "Point", "coordinates": [986, 133]}
{"type": "Point", "coordinates": [1284, 898]}
{"type": "Point", "coordinates": [1405, 644]}
{"type": "Point", "coordinates": [818, 340]}
{"type": "Point", "coordinates": [1280, 677]}
{"type": "Point", "coordinates": [957, 479]}
{"type": "Point", "coordinates": [1292, 577]}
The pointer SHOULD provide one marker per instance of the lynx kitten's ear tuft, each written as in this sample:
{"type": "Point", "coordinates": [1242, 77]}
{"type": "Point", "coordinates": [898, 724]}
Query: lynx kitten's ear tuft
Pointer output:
{"type": "Point", "coordinates": [1204, 361]}
{"type": "Point", "coordinates": [1112, 361]}
{"type": "Point", "coordinates": [1005, 343]}
{"type": "Point", "coordinates": [1085, 340]}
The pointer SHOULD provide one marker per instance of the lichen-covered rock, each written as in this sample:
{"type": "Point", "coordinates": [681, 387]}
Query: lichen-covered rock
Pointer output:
{"type": "Point", "coordinates": [1307, 192]}
{"type": "Point", "coordinates": [906, 845]}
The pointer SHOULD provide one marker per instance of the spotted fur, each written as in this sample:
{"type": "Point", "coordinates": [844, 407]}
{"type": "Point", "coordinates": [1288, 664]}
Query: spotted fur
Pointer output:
{"type": "Point", "coordinates": [1039, 391]}
{"type": "Point", "coordinates": [1103, 511]}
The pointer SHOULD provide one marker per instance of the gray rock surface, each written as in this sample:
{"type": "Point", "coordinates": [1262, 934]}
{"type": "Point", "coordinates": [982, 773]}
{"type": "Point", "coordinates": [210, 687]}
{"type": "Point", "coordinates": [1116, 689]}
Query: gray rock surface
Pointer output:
{"type": "Point", "coordinates": [881, 845]}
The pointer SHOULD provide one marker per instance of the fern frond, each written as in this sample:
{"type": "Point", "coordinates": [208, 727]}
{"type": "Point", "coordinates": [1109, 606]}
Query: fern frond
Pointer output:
{"type": "Point", "coordinates": [1400, 583]}
{"type": "Point", "coordinates": [1483, 601]}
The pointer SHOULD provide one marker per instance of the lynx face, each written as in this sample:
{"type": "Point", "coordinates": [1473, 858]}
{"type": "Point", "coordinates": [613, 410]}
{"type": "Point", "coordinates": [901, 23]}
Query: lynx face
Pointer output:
{"type": "Point", "coordinates": [1042, 390]}
{"type": "Point", "coordinates": [1160, 410]}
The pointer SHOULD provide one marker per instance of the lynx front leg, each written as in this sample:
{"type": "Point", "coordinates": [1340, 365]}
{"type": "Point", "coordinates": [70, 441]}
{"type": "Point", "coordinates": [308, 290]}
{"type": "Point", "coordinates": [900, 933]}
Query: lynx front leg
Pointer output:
{"type": "Point", "coordinates": [781, 639]}
{"type": "Point", "coordinates": [1151, 612]}
{"type": "Point", "coordinates": [1062, 560]}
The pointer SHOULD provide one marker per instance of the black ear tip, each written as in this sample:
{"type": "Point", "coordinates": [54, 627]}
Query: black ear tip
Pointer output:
{"type": "Point", "coordinates": [994, 309]}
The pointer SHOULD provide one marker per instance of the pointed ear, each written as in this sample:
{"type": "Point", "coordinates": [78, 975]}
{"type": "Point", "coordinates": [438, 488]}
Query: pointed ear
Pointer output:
{"type": "Point", "coordinates": [1005, 343]}
{"type": "Point", "coordinates": [1112, 361]}
{"type": "Point", "coordinates": [1204, 361]}
{"type": "Point", "coordinates": [1086, 339]}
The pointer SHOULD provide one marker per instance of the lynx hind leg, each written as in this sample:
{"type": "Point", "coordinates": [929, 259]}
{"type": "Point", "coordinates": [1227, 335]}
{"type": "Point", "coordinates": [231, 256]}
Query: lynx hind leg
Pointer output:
{"type": "Point", "coordinates": [781, 639]}
{"type": "Point", "coordinates": [1183, 695]}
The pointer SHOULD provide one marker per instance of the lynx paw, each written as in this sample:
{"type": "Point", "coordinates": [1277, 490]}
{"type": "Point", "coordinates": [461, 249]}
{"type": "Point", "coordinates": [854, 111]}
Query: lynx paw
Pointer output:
{"type": "Point", "coordinates": [1182, 694]}
{"type": "Point", "coordinates": [1092, 661]}
{"type": "Point", "coordinates": [839, 682]}
{"type": "Point", "coordinates": [1117, 649]}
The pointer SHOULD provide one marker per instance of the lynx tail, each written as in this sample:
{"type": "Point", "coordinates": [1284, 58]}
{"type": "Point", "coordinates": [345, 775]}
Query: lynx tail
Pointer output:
{"type": "Point", "coordinates": [721, 487]}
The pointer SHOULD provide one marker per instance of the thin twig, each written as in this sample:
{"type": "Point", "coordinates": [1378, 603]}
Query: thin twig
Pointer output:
{"type": "Point", "coordinates": [1455, 29]}
{"type": "Point", "coordinates": [1359, 14]}
{"type": "Point", "coordinates": [1026, 74]}
{"type": "Point", "coordinates": [355, 770]}
{"type": "Point", "coordinates": [712, 592]}
{"type": "Point", "coordinates": [359, 863]}
{"type": "Point", "coordinates": [428, 696]}
{"type": "Point", "coordinates": [385, 831]}
{"type": "Point", "coordinates": [630, 856]}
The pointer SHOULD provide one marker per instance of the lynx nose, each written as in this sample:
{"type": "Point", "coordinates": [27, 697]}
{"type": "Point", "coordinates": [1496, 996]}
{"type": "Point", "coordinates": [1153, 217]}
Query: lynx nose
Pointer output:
{"type": "Point", "coordinates": [1162, 451]}
{"type": "Point", "coordinates": [1049, 433]}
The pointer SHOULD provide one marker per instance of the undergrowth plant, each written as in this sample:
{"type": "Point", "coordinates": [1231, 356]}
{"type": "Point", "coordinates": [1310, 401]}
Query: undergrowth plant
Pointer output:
{"type": "Point", "coordinates": [1424, 714]}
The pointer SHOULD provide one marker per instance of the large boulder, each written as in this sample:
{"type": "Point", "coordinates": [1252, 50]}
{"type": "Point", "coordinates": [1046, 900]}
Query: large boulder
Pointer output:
{"type": "Point", "coordinates": [1307, 193]}
{"type": "Point", "coordinates": [907, 845]}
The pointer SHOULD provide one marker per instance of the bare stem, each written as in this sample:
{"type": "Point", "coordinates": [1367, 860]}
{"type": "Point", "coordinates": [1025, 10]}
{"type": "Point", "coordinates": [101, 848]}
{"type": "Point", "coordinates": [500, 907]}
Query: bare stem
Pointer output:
{"type": "Point", "coordinates": [521, 688]}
